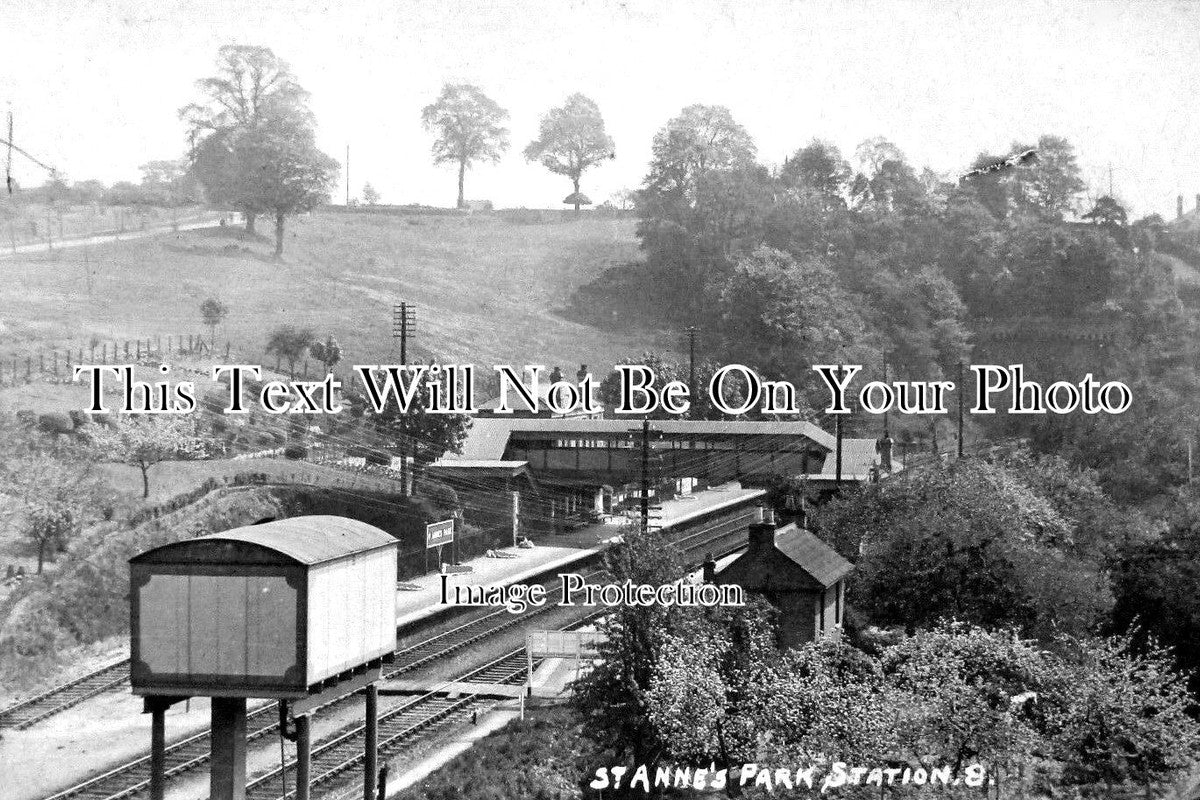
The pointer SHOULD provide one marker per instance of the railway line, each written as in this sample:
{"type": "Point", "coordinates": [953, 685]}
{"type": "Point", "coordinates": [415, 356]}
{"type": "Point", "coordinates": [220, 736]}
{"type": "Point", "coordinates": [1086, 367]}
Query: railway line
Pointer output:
{"type": "Point", "coordinates": [424, 714]}
{"type": "Point", "coordinates": [115, 676]}
{"type": "Point", "coordinates": [35, 709]}
{"type": "Point", "coordinates": [399, 726]}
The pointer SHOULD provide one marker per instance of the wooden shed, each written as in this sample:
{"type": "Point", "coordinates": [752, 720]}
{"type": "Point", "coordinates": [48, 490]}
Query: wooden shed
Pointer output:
{"type": "Point", "coordinates": [266, 610]}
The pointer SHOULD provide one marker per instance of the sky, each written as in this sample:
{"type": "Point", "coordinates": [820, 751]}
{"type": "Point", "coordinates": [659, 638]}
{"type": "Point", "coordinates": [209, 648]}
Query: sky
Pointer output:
{"type": "Point", "coordinates": [94, 85]}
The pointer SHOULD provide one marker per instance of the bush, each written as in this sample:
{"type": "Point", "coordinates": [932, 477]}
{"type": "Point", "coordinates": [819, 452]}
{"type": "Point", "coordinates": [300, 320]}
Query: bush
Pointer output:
{"type": "Point", "coordinates": [80, 417]}
{"type": "Point", "coordinates": [295, 452]}
{"type": "Point", "coordinates": [56, 422]}
{"type": "Point", "coordinates": [33, 629]}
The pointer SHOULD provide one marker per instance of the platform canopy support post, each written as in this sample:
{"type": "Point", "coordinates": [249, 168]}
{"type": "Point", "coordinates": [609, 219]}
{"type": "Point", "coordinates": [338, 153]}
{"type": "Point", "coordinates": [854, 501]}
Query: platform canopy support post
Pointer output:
{"type": "Point", "coordinates": [228, 777]}
{"type": "Point", "coordinates": [371, 746]}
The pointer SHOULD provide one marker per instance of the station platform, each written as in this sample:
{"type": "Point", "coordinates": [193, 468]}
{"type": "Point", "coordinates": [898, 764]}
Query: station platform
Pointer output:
{"type": "Point", "coordinates": [558, 552]}
{"type": "Point", "coordinates": [517, 565]}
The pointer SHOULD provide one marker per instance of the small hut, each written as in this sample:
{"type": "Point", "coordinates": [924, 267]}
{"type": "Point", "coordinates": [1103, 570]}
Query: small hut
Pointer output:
{"type": "Point", "coordinates": [577, 199]}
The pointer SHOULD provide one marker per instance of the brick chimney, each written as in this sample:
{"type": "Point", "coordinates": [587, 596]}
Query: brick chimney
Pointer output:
{"type": "Point", "coordinates": [710, 568]}
{"type": "Point", "coordinates": [762, 533]}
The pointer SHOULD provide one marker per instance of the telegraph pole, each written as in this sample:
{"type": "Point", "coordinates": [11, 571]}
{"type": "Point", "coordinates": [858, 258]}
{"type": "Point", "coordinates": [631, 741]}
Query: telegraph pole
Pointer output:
{"type": "Point", "coordinates": [885, 410]}
{"type": "Point", "coordinates": [8, 162]}
{"type": "Point", "coordinates": [404, 318]}
{"type": "Point", "coordinates": [646, 474]}
{"type": "Point", "coordinates": [645, 432]}
{"type": "Point", "coordinates": [962, 389]}
{"type": "Point", "coordinates": [837, 432]}
{"type": "Point", "coordinates": [690, 334]}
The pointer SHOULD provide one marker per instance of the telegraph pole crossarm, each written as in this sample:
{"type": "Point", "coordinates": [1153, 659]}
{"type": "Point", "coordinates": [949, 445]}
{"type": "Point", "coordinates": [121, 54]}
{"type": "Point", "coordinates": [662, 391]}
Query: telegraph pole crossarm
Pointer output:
{"type": "Point", "coordinates": [404, 323]}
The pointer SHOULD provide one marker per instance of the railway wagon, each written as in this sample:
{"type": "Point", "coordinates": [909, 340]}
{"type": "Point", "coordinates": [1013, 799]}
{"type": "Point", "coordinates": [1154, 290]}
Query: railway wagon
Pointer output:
{"type": "Point", "coordinates": [267, 610]}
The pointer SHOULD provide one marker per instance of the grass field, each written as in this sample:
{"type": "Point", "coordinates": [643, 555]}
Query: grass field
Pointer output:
{"type": "Point", "coordinates": [486, 290]}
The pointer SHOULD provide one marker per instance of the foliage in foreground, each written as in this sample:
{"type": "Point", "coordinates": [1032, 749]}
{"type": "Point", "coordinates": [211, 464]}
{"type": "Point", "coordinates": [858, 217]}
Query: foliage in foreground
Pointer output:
{"type": "Point", "coordinates": [544, 757]}
{"type": "Point", "coordinates": [691, 687]}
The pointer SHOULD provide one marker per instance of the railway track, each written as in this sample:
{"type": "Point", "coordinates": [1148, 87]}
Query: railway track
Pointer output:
{"type": "Point", "coordinates": [37, 708]}
{"type": "Point", "coordinates": [133, 778]}
{"type": "Point", "coordinates": [398, 726]}
{"type": "Point", "coordinates": [114, 676]}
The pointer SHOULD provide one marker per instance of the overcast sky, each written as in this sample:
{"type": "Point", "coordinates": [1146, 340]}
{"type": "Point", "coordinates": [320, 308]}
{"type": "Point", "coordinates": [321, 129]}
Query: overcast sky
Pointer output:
{"type": "Point", "coordinates": [95, 84]}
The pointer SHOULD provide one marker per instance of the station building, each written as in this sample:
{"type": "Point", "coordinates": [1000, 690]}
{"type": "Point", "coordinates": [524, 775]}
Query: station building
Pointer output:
{"type": "Point", "coordinates": [575, 470]}
{"type": "Point", "coordinates": [804, 578]}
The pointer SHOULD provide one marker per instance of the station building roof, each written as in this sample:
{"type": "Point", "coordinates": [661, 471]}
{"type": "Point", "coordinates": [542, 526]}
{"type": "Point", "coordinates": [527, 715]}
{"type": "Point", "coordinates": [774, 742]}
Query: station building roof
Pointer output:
{"type": "Point", "coordinates": [488, 437]}
{"type": "Point", "coordinates": [791, 558]}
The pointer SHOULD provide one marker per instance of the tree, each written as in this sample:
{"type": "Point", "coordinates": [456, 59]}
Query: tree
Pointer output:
{"type": "Point", "coordinates": [289, 343]}
{"type": "Point", "coordinates": [213, 313]}
{"type": "Point", "coordinates": [571, 140]}
{"type": "Point", "coordinates": [329, 352]}
{"type": "Point", "coordinates": [252, 86]}
{"type": "Point", "coordinates": [287, 174]}
{"type": "Point", "coordinates": [1108, 214]}
{"type": "Point", "coordinates": [780, 315]}
{"type": "Point", "coordinates": [969, 542]}
{"type": "Point", "coordinates": [1051, 181]}
{"type": "Point", "coordinates": [700, 139]}
{"type": "Point", "coordinates": [145, 440]}
{"type": "Point", "coordinates": [369, 195]}
{"type": "Point", "coordinates": [613, 697]}
{"type": "Point", "coordinates": [52, 494]}
{"type": "Point", "coordinates": [469, 128]}
{"type": "Point", "coordinates": [1122, 719]}
{"type": "Point", "coordinates": [820, 168]}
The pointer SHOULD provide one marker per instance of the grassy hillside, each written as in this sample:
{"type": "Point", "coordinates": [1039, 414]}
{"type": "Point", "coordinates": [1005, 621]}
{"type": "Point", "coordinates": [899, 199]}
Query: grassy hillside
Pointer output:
{"type": "Point", "coordinates": [487, 290]}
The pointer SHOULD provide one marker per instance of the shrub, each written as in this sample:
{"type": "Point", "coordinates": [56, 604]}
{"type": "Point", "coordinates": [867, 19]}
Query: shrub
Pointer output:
{"type": "Point", "coordinates": [80, 417]}
{"type": "Point", "coordinates": [33, 629]}
{"type": "Point", "coordinates": [56, 422]}
{"type": "Point", "coordinates": [295, 451]}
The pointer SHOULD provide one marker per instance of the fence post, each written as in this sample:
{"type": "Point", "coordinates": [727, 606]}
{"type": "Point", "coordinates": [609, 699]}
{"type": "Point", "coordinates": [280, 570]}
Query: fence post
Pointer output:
{"type": "Point", "coordinates": [226, 351]}
{"type": "Point", "coordinates": [126, 349]}
{"type": "Point", "coordinates": [54, 359]}
{"type": "Point", "coordinates": [28, 368]}
{"type": "Point", "coordinates": [41, 361]}
{"type": "Point", "coordinates": [190, 341]}
{"type": "Point", "coordinates": [168, 345]}
{"type": "Point", "coordinates": [158, 343]}
{"type": "Point", "coordinates": [138, 345]}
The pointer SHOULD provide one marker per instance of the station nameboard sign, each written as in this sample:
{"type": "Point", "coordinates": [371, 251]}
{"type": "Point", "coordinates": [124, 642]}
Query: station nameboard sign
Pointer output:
{"type": "Point", "coordinates": [439, 533]}
{"type": "Point", "coordinates": [563, 644]}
